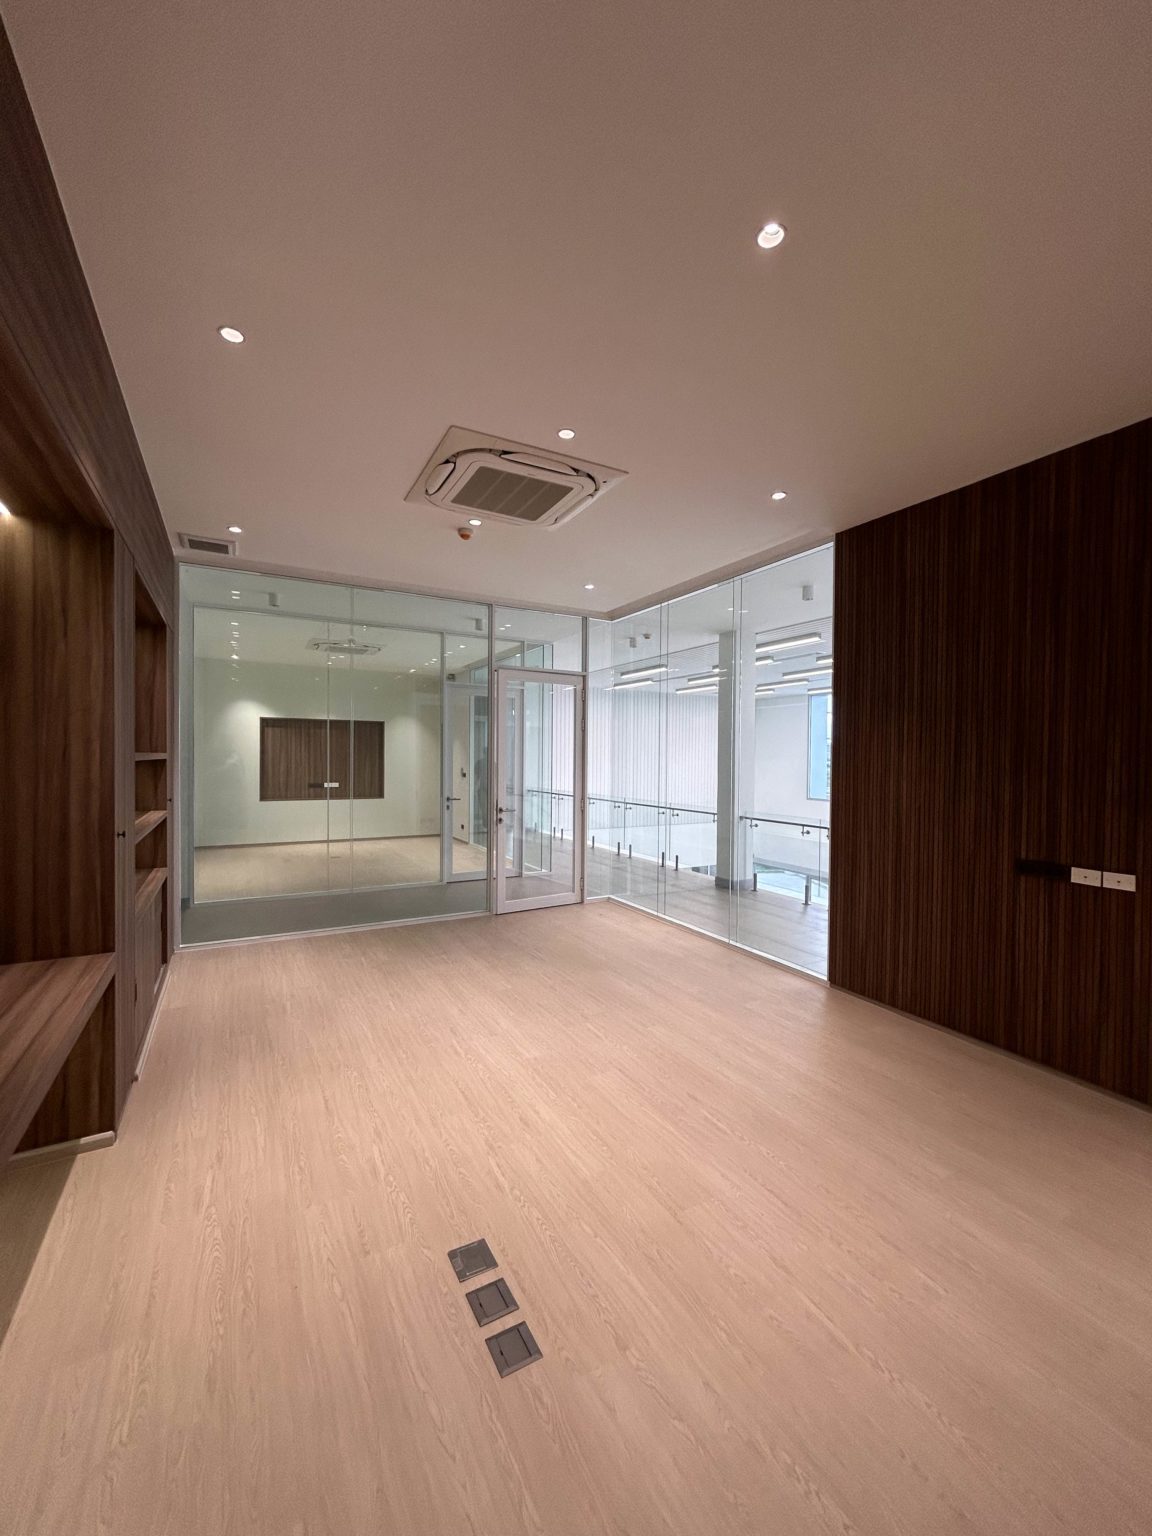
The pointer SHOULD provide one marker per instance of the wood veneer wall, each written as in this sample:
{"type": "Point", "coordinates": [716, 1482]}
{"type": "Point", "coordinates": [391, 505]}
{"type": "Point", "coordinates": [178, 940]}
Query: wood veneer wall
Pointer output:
{"type": "Point", "coordinates": [994, 703]}
{"type": "Point", "coordinates": [66, 438]}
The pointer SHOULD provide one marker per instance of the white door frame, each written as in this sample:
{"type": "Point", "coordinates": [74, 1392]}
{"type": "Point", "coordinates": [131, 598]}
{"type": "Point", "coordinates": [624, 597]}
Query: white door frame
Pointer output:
{"type": "Point", "coordinates": [505, 677]}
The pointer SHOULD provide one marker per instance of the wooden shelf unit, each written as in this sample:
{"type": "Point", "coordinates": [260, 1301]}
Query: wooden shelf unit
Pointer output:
{"type": "Point", "coordinates": [151, 710]}
{"type": "Point", "coordinates": [87, 598]}
{"type": "Point", "coordinates": [149, 883]}
{"type": "Point", "coordinates": [147, 822]}
{"type": "Point", "coordinates": [46, 1007]}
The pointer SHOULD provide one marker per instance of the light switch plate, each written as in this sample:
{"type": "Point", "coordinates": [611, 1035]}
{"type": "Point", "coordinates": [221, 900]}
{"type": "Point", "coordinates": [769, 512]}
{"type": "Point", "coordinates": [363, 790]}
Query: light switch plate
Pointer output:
{"type": "Point", "coordinates": [1085, 876]}
{"type": "Point", "coordinates": [1117, 882]}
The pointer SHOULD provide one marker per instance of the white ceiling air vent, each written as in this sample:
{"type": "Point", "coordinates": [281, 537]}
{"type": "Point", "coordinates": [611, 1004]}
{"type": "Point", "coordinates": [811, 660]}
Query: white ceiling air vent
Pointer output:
{"type": "Point", "coordinates": [343, 647]}
{"type": "Point", "coordinates": [489, 477]}
{"type": "Point", "coordinates": [207, 546]}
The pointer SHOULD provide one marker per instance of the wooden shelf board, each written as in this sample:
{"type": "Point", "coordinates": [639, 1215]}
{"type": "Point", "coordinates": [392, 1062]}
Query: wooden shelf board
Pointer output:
{"type": "Point", "coordinates": [151, 757]}
{"type": "Point", "coordinates": [147, 822]}
{"type": "Point", "coordinates": [44, 1006]}
{"type": "Point", "coordinates": [148, 883]}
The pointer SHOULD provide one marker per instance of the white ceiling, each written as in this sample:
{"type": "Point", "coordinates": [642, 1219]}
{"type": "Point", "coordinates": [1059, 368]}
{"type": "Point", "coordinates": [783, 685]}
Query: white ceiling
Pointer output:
{"type": "Point", "coordinates": [520, 217]}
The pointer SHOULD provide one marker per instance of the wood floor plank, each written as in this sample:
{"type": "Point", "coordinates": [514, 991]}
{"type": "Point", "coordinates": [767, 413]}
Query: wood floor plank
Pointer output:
{"type": "Point", "coordinates": [795, 1263]}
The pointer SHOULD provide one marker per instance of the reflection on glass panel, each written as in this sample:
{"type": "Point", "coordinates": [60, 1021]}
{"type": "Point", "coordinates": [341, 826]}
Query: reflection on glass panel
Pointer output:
{"type": "Point", "coordinates": [525, 637]}
{"type": "Point", "coordinates": [627, 812]}
{"type": "Point", "coordinates": [537, 793]}
{"type": "Point", "coordinates": [785, 760]}
{"type": "Point", "coordinates": [709, 754]}
{"type": "Point", "coordinates": [335, 748]}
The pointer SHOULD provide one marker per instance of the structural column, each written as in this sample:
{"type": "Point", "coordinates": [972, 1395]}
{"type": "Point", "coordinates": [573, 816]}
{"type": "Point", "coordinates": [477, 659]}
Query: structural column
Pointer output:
{"type": "Point", "coordinates": [735, 754]}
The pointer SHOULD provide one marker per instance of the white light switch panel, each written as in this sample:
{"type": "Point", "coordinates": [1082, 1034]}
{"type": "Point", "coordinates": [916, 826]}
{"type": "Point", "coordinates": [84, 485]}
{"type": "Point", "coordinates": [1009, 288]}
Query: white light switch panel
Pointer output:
{"type": "Point", "coordinates": [1115, 882]}
{"type": "Point", "coordinates": [1085, 876]}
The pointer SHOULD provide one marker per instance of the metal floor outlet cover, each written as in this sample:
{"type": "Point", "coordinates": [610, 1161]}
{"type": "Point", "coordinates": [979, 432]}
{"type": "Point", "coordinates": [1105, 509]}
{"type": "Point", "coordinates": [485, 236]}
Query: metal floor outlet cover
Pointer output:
{"type": "Point", "coordinates": [490, 1301]}
{"type": "Point", "coordinates": [471, 1259]}
{"type": "Point", "coordinates": [513, 1348]}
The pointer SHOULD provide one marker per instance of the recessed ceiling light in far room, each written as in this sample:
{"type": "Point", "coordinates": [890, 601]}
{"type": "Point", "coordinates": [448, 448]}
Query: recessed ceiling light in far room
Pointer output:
{"type": "Point", "coordinates": [779, 495]}
{"type": "Point", "coordinates": [566, 433]}
{"type": "Point", "coordinates": [589, 586]}
{"type": "Point", "coordinates": [770, 235]}
{"type": "Point", "coordinates": [235, 528]}
{"type": "Point", "coordinates": [230, 333]}
{"type": "Point", "coordinates": [475, 522]}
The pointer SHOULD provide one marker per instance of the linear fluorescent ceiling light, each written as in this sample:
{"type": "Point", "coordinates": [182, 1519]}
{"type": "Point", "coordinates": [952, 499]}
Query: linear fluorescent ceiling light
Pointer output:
{"type": "Point", "coordinates": [801, 677]}
{"type": "Point", "coordinates": [787, 644]}
{"type": "Point", "coordinates": [823, 661]}
{"type": "Point", "coordinates": [818, 693]}
{"type": "Point", "coordinates": [637, 682]}
{"type": "Point", "coordinates": [765, 688]}
{"type": "Point", "coordinates": [656, 666]}
{"type": "Point", "coordinates": [705, 677]}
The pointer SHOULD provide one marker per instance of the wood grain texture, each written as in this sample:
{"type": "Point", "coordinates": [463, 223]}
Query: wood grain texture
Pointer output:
{"type": "Point", "coordinates": [44, 1008]}
{"type": "Point", "coordinates": [67, 438]}
{"type": "Point", "coordinates": [298, 756]}
{"type": "Point", "coordinates": [57, 766]}
{"type": "Point", "coordinates": [796, 1264]}
{"type": "Point", "coordinates": [994, 703]}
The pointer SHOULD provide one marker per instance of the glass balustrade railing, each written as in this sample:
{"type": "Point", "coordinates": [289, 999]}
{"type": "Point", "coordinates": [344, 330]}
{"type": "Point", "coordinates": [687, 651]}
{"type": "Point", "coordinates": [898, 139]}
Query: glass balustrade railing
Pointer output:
{"type": "Point", "coordinates": [771, 896]}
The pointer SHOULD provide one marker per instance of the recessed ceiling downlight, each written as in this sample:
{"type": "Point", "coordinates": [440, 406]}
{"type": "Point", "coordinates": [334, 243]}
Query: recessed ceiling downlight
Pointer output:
{"type": "Point", "coordinates": [566, 433]}
{"type": "Point", "coordinates": [230, 333]}
{"type": "Point", "coordinates": [475, 522]}
{"type": "Point", "coordinates": [235, 528]}
{"type": "Point", "coordinates": [771, 235]}
{"type": "Point", "coordinates": [779, 495]}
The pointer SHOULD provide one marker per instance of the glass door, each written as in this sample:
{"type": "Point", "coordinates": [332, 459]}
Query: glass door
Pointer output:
{"type": "Point", "coordinates": [540, 789]}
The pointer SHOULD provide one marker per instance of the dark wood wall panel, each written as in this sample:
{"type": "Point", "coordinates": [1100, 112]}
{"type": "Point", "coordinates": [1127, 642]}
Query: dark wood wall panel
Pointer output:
{"type": "Point", "coordinates": [299, 756]}
{"type": "Point", "coordinates": [992, 705]}
{"type": "Point", "coordinates": [67, 436]}
{"type": "Point", "coordinates": [57, 786]}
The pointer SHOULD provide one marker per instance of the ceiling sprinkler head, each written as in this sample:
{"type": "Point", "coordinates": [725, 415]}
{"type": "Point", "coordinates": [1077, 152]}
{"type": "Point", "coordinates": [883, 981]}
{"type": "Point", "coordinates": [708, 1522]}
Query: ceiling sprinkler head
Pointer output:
{"type": "Point", "coordinates": [464, 533]}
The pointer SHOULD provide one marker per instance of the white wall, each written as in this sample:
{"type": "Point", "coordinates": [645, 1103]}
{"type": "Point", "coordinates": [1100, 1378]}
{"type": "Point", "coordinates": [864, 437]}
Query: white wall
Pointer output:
{"type": "Point", "coordinates": [229, 703]}
{"type": "Point", "coordinates": [781, 784]}
{"type": "Point", "coordinates": [646, 745]}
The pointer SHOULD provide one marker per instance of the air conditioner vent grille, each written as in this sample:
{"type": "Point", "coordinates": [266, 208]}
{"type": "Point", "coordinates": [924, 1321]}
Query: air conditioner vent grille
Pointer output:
{"type": "Point", "coordinates": [498, 490]}
{"type": "Point", "coordinates": [207, 546]}
{"type": "Point", "coordinates": [505, 481]}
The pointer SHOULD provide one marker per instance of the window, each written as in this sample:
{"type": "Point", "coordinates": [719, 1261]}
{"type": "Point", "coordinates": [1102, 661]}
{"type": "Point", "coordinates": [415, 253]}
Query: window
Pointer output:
{"type": "Point", "coordinates": [819, 745]}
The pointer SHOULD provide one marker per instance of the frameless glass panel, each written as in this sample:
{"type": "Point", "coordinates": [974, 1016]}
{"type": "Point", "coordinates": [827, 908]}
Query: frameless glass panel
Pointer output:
{"type": "Point", "coordinates": [627, 816]}
{"type": "Point", "coordinates": [317, 732]}
{"type": "Point", "coordinates": [785, 760]}
{"type": "Point", "coordinates": [538, 815]}
{"type": "Point", "coordinates": [394, 707]}
{"type": "Point", "coordinates": [466, 789]}
{"type": "Point", "coordinates": [525, 637]}
{"type": "Point", "coordinates": [261, 710]}
{"type": "Point", "coordinates": [703, 863]}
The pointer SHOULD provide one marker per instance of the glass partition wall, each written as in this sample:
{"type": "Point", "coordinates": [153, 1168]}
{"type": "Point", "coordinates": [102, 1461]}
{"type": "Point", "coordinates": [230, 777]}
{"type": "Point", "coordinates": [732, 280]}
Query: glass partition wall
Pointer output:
{"type": "Point", "coordinates": [709, 725]}
{"type": "Point", "coordinates": [335, 745]}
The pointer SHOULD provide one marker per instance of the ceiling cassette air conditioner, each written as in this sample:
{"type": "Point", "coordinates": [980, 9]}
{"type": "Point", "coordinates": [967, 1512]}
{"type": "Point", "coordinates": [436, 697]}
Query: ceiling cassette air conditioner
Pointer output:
{"type": "Point", "coordinates": [485, 477]}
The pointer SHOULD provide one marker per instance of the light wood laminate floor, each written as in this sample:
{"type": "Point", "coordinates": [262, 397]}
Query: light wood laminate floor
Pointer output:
{"type": "Point", "coordinates": [287, 869]}
{"type": "Point", "coordinates": [773, 924]}
{"type": "Point", "coordinates": [797, 1265]}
